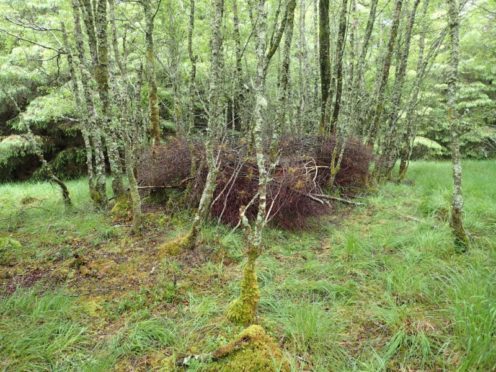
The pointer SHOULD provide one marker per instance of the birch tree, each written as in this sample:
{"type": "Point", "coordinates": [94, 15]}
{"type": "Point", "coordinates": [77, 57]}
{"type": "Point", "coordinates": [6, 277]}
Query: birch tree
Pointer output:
{"type": "Point", "coordinates": [284, 82]}
{"type": "Point", "coordinates": [215, 123]}
{"type": "Point", "coordinates": [379, 94]}
{"type": "Point", "coordinates": [94, 150]}
{"type": "Point", "coordinates": [150, 70]}
{"type": "Point", "coordinates": [243, 310]}
{"type": "Point", "coordinates": [388, 157]}
{"type": "Point", "coordinates": [461, 239]}
{"type": "Point", "coordinates": [95, 18]}
{"type": "Point", "coordinates": [325, 64]}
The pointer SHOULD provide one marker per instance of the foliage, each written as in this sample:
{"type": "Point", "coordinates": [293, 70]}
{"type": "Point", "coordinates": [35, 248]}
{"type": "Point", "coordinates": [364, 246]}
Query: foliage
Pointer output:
{"type": "Point", "coordinates": [51, 109]}
{"type": "Point", "coordinates": [15, 146]}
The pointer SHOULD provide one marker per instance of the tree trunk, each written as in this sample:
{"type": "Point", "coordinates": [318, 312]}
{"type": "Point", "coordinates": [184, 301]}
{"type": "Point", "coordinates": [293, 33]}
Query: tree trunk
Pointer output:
{"type": "Point", "coordinates": [215, 123]}
{"type": "Point", "coordinates": [384, 76]}
{"type": "Point", "coordinates": [85, 130]}
{"type": "Point", "coordinates": [359, 109]}
{"type": "Point", "coordinates": [461, 240]}
{"type": "Point", "coordinates": [325, 65]}
{"type": "Point", "coordinates": [95, 19]}
{"type": "Point", "coordinates": [338, 67]}
{"type": "Point", "coordinates": [98, 192]}
{"type": "Point", "coordinates": [133, 188]}
{"type": "Point", "coordinates": [192, 75]}
{"type": "Point", "coordinates": [238, 106]}
{"type": "Point", "coordinates": [150, 73]}
{"type": "Point", "coordinates": [391, 140]}
{"type": "Point", "coordinates": [243, 310]}
{"type": "Point", "coordinates": [284, 83]}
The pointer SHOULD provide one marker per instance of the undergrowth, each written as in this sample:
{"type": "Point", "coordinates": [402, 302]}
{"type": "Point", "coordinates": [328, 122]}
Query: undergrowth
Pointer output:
{"type": "Point", "coordinates": [378, 287]}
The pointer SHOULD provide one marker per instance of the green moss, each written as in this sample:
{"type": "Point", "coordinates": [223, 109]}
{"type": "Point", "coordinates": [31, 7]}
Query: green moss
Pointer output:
{"type": "Point", "coordinates": [122, 208]}
{"type": "Point", "coordinates": [9, 249]}
{"type": "Point", "coordinates": [176, 246]}
{"type": "Point", "coordinates": [252, 350]}
{"type": "Point", "coordinates": [243, 310]}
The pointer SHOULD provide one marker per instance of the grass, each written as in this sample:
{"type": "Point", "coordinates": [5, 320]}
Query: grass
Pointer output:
{"type": "Point", "coordinates": [379, 287]}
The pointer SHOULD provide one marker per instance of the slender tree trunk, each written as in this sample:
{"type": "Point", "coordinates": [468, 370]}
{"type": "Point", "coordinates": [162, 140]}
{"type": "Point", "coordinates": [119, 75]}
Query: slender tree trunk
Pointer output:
{"type": "Point", "coordinates": [343, 131]}
{"type": "Point", "coordinates": [133, 188]}
{"type": "Point", "coordinates": [384, 76]}
{"type": "Point", "coordinates": [338, 67]}
{"type": "Point", "coordinates": [102, 76]}
{"type": "Point", "coordinates": [284, 83]}
{"type": "Point", "coordinates": [358, 97]}
{"type": "Point", "coordinates": [216, 121]}
{"type": "Point", "coordinates": [85, 130]}
{"type": "Point", "coordinates": [303, 71]}
{"type": "Point", "coordinates": [391, 140]}
{"type": "Point", "coordinates": [115, 43]}
{"type": "Point", "coordinates": [95, 19]}
{"type": "Point", "coordinates": [98, 192]}
{"type": "Point", "coordinates": [325, 65]}
{"type": "Point", "coordinates": [192, 75]}
{"type": "Point", "coordinates": [461, 240]}
{"type": "Point", "coordinates": [243, 310]}
{"type": "Point", "coordinates": [238, 107]}
{"type": "Point", "coordinates": [411, 115]}
{"type": "Point", "coordinates": [150, 73]}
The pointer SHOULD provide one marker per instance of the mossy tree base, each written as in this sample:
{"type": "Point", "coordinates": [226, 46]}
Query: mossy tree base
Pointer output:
{"type": "Point", "coordinates": [176, 246]}
{"type": "Point", "coordinates": [243, 310]}
{"type": "Point", "coordinates": [252, 350]}
{"type": "Point", "coordinates": [122, 208]}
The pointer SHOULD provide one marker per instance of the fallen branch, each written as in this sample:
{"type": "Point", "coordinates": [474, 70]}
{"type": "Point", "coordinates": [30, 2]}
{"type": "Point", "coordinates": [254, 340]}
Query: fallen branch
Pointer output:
{"type": "Point", "coordinates": [337, 198]}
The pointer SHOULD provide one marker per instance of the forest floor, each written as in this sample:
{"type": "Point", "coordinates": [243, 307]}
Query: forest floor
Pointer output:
{"type": "Point", "coordinates": [377, 287]}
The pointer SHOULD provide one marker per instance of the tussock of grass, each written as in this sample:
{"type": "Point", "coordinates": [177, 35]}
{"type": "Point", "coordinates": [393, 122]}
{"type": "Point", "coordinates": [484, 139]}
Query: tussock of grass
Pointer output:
{"type": "Point", "coordinates": [38, 332]}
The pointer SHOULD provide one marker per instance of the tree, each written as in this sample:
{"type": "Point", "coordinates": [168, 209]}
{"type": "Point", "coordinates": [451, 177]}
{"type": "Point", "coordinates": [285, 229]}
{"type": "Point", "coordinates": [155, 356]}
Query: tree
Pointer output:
{"type": "Point", "coordinates": [461, 239]}
{"type": "Point", "coordinates": [379, 101]}
{"type": "Point", "coordinates": [325, 64]}
{"type": "Point", "coordinates": [150, 70]}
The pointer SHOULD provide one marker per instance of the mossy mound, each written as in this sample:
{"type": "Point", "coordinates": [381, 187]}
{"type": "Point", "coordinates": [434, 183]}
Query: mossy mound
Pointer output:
{"type": "Point", "coordinates": [9, 249]}
{"type": "Point", "coordinates": [243, 310]}
{"type": "Point", "coordinates": [121, 211]}
{"type": "Point", "coordinates": [252, 350]}
{"type": "Point", "coordinates": [176, 246]}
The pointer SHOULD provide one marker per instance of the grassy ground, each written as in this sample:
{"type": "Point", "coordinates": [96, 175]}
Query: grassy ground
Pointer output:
{"type": "Point", "coordinates": [378, 287]}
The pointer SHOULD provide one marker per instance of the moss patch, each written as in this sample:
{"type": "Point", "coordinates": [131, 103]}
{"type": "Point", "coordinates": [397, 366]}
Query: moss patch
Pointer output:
{"type": "Point", "coordinates": [252, 350]}
{"type": "Point", "coordinates": [176, 246]}
{"type": "Point", "coordinates": [243, 310]}
{"type": "Point", "coordinates": [121, 211]}
{"type": "Point", "coordinates": [9, 249]}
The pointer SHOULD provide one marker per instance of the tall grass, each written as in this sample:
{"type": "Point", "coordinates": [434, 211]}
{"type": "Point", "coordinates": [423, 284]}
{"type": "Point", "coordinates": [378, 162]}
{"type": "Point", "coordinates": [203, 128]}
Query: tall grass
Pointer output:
{"type": "Point", "coordinates": [38, 332]}
{"type": "Point", "coordinates": [383, 289]}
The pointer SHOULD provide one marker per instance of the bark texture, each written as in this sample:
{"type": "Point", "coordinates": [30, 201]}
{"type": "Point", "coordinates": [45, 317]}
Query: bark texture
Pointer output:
{"type": "Point", "coordinates": [461, 239]}
{"type": "Point", "coordinates": [150, 73]}
{"type": "Point", "coordinates": [391, 139]}
{"type": "Point", "coordinates": [284, 83]}
{"type": "Point", "coordinates": [216, 120]}
{"type": "Point", "coordinates": [324, 63]}
{"type": "Point", "coordinates": [379, 94]}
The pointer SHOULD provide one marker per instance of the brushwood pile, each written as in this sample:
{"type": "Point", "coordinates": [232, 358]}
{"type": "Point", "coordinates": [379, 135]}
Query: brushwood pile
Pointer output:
{"type": "Point", "coordinates": [298, 183]}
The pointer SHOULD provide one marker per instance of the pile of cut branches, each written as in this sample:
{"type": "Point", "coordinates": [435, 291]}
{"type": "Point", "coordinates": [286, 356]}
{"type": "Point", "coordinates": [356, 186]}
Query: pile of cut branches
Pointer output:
{"type": "Point", "coordinates": [296, 190]}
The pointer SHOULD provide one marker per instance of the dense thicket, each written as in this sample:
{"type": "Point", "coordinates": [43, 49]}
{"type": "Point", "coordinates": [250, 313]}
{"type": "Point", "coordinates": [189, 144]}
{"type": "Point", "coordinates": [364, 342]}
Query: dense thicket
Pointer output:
{"type": "Point", "coordinates": [159, 89]}
{"type": "Point", "coordinates": [34, 72]}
